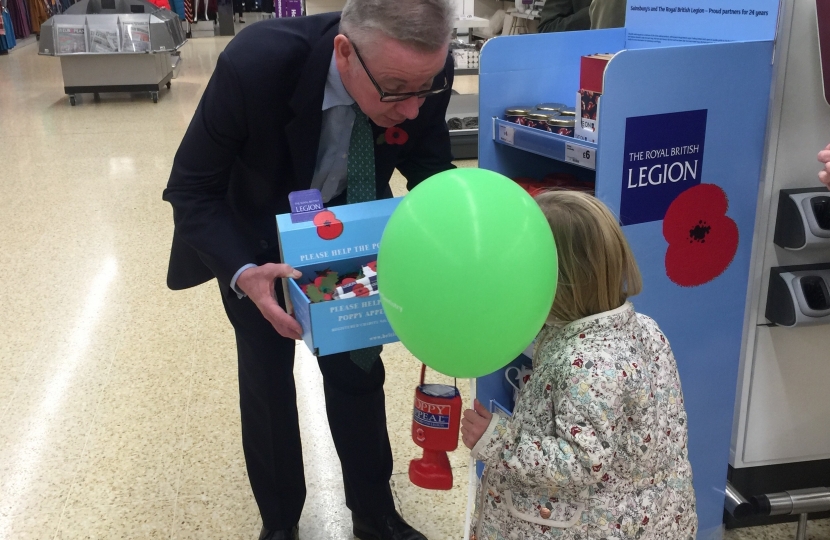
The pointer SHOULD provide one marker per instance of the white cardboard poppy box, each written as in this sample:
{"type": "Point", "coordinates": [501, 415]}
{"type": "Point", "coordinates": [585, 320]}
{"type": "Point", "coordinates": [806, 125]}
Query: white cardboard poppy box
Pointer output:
{"type": "Point", "coordinates": [342, 239]}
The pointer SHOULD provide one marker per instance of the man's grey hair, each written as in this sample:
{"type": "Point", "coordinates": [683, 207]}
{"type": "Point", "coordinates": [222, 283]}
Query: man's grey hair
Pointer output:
{"type": "Point", "coordinates": [425, 25]}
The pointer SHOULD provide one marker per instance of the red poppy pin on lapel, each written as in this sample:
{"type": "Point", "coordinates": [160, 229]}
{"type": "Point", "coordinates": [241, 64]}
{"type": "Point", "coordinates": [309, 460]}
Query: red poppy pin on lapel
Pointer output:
{"type": "Point", "coordinates": [393, 135]}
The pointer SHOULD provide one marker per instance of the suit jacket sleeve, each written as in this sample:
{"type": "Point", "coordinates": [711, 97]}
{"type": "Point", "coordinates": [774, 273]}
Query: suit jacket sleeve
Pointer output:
{"type": "Point", "coordinates": [198, 184]}
{"type": "Point", "coordinates": [564, 15]}
{"type": "Point", "coordinates": [607, 14]}
{"type": "Point", "coordinates": [432, 153]}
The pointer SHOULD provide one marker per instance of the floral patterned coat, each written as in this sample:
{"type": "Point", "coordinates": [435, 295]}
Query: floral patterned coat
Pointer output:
{"type": "Point", "coordinates": [596, 448]}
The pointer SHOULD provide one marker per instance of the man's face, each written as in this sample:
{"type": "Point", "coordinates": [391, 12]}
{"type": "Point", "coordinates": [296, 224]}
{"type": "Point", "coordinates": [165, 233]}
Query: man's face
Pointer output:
{"type": "Point", "coordinates": [396, 68]}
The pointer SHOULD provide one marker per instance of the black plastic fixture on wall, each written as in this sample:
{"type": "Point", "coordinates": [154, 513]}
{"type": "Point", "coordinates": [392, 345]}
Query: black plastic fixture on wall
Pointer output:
{"type": "Point", "coordinates": [803, 220]}
{"type": "Point", "coordinates": [799, 295]}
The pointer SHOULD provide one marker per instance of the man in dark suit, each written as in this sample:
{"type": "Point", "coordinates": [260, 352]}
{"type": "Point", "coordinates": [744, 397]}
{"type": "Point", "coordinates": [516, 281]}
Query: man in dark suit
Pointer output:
{"type": "Point", "coordinates": [294, 104]}
{"type": "Point", "coordinates": [565, 16]}
{"type": "Point", "coordinates": [607, 14]}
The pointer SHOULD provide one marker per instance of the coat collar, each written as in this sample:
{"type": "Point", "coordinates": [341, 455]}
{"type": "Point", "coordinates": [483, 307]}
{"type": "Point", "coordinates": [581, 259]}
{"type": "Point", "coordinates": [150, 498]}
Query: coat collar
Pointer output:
{"type": "Point", "coordinates": [617, 318]}
{"type": "Point", "coordinates": [304, 130]}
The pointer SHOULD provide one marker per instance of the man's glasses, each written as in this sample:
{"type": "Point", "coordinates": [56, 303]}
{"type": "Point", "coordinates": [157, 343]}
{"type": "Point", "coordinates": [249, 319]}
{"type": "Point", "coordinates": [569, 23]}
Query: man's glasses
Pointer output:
{"type": "Point", "coordinates": [395, 96]}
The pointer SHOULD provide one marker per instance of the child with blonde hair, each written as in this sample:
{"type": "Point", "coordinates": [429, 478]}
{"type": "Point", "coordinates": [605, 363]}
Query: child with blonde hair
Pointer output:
{"type": "Point", "coordinates": [596, 448]}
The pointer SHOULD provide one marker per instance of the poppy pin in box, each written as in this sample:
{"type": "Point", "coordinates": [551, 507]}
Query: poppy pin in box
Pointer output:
{"type": "Point", "coordinates": [331, 246]}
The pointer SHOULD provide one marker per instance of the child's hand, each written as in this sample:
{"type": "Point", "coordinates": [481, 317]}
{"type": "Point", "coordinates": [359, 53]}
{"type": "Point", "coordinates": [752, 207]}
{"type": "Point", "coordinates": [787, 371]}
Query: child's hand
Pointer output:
{"type": "Point", "coordinates": [474, 424]}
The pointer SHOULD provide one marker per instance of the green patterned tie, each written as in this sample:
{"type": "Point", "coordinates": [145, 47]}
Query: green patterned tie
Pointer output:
{"type": "Point", "coordinates": [361, 187]}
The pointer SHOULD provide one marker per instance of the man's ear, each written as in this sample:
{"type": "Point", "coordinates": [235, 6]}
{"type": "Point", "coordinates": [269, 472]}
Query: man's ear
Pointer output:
{"type": "Point", "coordinates": [342, 48]}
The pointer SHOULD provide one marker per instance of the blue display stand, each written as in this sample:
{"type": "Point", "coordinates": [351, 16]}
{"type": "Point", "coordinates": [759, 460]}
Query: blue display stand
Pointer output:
{"type": "Point", "coordinates": [708, 101]}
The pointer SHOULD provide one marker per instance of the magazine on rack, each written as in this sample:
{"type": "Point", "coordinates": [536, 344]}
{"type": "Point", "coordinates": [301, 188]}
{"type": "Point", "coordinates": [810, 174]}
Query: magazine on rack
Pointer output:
{"type": "Point", "coordinates": [103, 39]}
{"type": "Point", "coordinates": [71, 39]}
{"type": "Point", "coordinates": [135, 37]}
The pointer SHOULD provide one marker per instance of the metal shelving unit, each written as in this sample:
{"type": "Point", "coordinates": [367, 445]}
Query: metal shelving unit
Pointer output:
{"type": "Point", "coordinates": [544, 143]}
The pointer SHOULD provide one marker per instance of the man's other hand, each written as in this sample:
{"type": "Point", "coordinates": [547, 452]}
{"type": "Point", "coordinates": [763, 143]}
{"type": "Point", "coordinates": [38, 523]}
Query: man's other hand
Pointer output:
{"type": "Point", "coordinates": [258, 284]}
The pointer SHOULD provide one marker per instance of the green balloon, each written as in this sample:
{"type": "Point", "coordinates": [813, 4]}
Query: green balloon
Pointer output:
{"type": "Point", "coordinates": [467, 271]}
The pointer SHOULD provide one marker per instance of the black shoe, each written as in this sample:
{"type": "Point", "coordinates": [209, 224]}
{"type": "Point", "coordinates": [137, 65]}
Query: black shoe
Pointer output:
{"type": "Point", "coordinates": [282, 534]}
{"type": "Point", "coordinates": [386, 527]}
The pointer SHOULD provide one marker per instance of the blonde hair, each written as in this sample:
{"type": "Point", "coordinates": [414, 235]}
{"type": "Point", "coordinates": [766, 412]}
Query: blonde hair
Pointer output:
{"type": "Point", "coordinates": [597, 270]}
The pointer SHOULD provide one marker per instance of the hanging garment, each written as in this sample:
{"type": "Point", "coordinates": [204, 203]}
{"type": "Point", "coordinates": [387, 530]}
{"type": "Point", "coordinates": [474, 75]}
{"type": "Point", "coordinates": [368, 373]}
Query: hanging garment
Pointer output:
{"type": "Point", "coordinates": [20, 19]}
{"type": "Point", "coordinates": [39, 14]}
{"type": "Point", "coordinates": [28, 13]}
{"type": "Point", "coordinates": [164, 4]}
{"type": "Point", "coordinates": [7, 39]}
{"type": "Point", "coordinates": [178, 7]}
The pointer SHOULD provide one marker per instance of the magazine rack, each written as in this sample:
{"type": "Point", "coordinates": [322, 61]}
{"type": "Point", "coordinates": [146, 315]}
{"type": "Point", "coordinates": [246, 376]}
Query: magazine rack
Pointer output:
{"type": "Point", "coordinates": [114, 46]}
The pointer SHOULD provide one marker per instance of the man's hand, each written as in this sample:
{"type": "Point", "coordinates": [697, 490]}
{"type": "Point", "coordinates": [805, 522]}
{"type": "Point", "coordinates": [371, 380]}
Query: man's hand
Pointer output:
{"type": "Point", "coordinates": [824, 157]}
{"type": "Point", "coordinates": [474, 424]}
{"type": "Point", "coordinates": [258, 284]}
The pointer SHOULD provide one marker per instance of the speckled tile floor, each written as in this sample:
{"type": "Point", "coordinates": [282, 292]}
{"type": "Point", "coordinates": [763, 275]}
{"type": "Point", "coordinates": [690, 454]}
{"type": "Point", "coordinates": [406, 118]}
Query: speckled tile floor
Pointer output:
{"type": "Point", "coordinates": [118, 398]}
{"type": "Point", "coordinates": [816, 530]}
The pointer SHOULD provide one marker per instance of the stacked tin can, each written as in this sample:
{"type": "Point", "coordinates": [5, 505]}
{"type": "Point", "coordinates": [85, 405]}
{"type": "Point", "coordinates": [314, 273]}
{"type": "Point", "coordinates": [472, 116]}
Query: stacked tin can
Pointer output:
{"type": "Point", "coordinates": [552, 117]}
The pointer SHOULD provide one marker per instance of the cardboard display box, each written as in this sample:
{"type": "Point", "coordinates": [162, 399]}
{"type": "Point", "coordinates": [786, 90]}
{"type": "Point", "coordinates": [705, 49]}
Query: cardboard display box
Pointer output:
{"type": "Point", "coordinates": [591, 87]}
{"type": "Point", "coordinates": [592, 72]}
{"type": "Point", "coordinates": [342, 243]}
{"type": "Point", "coordinates": [586, 126]}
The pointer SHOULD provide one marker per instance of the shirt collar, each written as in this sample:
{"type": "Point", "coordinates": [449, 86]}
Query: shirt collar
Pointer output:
{"type": "Point", "coordinates": [335, 93]}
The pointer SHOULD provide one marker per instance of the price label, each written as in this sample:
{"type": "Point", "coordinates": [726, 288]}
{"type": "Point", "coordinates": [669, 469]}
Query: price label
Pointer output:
{"type": "Point", "coordinates": [506, 134]}
{"type": "Point", "coordinates": [581, 155]}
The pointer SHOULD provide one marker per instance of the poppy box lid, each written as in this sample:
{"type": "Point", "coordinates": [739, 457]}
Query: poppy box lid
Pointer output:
{"type": "Point", "coordinates": [333, 234]}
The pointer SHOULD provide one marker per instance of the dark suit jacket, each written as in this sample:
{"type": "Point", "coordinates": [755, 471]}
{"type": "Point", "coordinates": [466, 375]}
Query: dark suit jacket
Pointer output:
{"type": "Point", "coordinates": [254, 139]}
{"type": "Point", "coordinates": [565, 15]}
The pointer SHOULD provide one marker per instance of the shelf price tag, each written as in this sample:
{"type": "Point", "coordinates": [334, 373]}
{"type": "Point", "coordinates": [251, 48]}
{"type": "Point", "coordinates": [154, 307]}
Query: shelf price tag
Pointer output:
{"type": "Point", "coordinates": [506, 134]}
{"type": "Point", "coordinates": [581, 155]}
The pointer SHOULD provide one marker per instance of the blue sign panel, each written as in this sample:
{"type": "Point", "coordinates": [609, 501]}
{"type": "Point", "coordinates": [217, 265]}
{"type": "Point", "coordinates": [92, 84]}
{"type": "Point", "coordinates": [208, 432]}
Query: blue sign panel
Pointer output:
{"type": "Point", "coordinates": [662, 23]}
{"type": "Point", "coordinates": [663, 158]}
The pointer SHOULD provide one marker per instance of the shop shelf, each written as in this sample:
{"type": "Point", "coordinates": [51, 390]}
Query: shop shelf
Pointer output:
{"type": "Point", "coordinates": [550, 145]}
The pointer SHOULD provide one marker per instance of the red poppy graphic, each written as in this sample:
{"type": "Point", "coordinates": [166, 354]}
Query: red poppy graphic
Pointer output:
{"type": "Point", "coordinates": [328, 226]}
{"type": "Point", "coordinates": [373, 266]}
{"type": "Point", "coordinates": [702, 239]}
{"type": "Point", "coordinates": [396, 135]}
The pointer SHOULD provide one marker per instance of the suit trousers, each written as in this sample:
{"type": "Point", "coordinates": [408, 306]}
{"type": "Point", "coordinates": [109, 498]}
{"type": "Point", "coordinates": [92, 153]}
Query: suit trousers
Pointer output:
{"type": "Point", "coordinates": [355, 407]}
